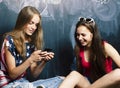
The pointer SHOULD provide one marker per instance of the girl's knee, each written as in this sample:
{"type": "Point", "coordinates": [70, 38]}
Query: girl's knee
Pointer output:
{"type": "Point", "coordinates": [75, 73]}
{"type": "Point", "coordinates": [116, 72]}
{"type": "Point", "coordinates": [116, 75]}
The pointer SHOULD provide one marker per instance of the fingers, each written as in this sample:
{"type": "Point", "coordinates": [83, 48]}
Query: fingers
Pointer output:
{"type": "Point", "coordinates": [48, 56]}
{"type": "Point", "coordinates": [39, 55]}
{"type": "Point", "coordinates": [35, 56]}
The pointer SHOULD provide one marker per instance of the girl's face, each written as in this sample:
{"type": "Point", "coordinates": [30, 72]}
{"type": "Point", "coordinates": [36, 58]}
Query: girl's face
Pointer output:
{"type": "Point", "coordinates": [32, 25]}
{"type": "Point", "coordinates": [84, 36]}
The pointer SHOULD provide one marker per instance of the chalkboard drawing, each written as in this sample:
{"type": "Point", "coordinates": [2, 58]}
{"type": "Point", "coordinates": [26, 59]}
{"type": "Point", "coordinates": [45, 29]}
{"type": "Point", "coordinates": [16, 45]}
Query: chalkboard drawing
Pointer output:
{"type": "Point", "coordinates": [0, 1]}
{"type": "Point", "coordinates": [105, 11]}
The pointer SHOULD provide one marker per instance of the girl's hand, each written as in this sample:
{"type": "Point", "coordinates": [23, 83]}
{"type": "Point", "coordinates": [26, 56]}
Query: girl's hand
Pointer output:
{"type": "Point", "coordinates": [39, 55]}
{"type": "Point", "coordinates": [48, 56]}
{"type": "Point", "coordinates": [36, 56]}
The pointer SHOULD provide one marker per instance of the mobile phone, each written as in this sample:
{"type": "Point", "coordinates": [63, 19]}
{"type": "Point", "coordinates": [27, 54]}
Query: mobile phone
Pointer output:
{"type": "Point", "coordinates": [48, 49]}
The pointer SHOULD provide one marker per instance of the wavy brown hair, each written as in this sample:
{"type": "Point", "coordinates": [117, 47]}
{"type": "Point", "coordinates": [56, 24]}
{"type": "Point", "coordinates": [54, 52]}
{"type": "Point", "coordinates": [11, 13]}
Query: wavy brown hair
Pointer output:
{"type": "Point", "coordinates": [97, 54]}
{"type": "Point", "coordinates": [18, 35]}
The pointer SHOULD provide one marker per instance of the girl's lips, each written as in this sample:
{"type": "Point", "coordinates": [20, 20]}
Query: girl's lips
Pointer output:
{"type": "Point", "coordinates": [81, 42]}
{"type": "Point", "coordinates": [31, 31]}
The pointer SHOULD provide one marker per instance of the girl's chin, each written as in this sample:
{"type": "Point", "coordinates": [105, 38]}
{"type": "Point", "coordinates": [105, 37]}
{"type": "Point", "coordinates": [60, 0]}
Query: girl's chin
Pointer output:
{"type": "Point", "coordinates": [83, 44]}
{"type": "Point", "coordinates": [29, 34]}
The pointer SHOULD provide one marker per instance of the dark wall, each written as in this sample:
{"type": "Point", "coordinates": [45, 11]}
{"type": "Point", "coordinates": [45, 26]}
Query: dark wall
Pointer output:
{"type": "Point", "coordinates": [58, 21]}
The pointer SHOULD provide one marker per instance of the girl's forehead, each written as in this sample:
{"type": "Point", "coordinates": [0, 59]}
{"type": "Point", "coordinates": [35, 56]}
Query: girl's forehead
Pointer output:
{"type": "Point", "coordinates": [35, 18]}
{"type": "Point", "coordinates": [82, 29]}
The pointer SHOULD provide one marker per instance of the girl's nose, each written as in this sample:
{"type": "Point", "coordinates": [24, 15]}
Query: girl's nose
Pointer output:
{"type": "Point", "coordinates": [34, 26]}
{"type": "Point", "coordinates": [80, 37]}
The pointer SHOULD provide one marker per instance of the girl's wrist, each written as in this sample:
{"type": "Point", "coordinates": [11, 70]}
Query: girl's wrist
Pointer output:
{"type": "Point", "coordinates": [30, 61]}
{"type": "Point", "coordinates": [44, 61]}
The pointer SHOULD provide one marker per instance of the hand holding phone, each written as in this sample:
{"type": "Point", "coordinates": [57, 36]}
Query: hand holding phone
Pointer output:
{"type": "Point", "coordinates": [48, 54]}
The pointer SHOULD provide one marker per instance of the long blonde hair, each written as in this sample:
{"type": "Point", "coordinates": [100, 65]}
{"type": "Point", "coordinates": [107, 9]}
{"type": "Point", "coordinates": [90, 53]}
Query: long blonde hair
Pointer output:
{"type": "Point", "coordinates": [18, 35]}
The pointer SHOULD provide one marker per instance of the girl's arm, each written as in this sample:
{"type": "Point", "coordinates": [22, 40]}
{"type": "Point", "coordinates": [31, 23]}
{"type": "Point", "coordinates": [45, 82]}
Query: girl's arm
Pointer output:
{"type": "Point", "coordinates": [15, 71]}
{"type": "Point", "coordinates": [36, 68]}
{"type": "Point", "coordinates": [113, 53]}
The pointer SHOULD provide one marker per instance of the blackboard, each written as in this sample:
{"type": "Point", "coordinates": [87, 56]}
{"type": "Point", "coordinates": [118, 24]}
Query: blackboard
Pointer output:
{"type": "Point", "coordinates": [58, 21]}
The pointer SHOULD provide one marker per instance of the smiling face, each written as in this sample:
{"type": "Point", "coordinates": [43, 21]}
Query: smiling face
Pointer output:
{"type": "Point", "coordinates": [84, 36]}
{"type": "Point", "coordinates": [32, 25]}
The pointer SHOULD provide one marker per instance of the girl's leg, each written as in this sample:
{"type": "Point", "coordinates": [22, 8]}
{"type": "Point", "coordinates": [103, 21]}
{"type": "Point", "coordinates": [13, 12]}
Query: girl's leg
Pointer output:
{"type": "Point", "coordinates": [53, 82]}
{"type": "Point", "coordinates": [110, 80]}
{"type": "Point", "coordinates": [75, 79]}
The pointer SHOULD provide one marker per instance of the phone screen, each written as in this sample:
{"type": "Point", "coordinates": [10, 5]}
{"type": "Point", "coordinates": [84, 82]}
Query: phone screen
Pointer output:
{"type": "Point", "coordinates": [48, 49]}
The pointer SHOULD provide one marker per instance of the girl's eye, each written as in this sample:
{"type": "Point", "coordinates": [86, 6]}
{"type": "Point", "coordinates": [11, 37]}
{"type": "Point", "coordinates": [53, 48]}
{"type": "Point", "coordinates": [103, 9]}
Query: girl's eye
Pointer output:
{"type": "Point", "coordinates": [83, 34]}
{"type": "Point", "coordinates": [31, 22]}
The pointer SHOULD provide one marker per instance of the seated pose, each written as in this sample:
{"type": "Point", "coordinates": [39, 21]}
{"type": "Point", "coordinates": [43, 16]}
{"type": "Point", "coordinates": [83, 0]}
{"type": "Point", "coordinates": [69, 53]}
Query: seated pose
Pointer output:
{"type": "Point", "coordinates": [94, 58]}
{"type": "Point", "coordinates": [22, 50]}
